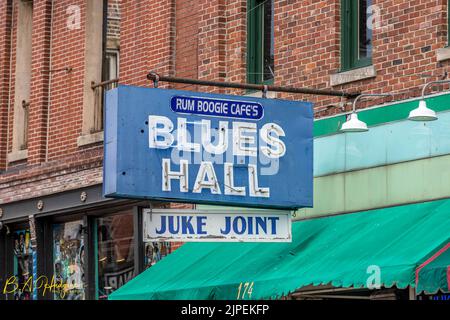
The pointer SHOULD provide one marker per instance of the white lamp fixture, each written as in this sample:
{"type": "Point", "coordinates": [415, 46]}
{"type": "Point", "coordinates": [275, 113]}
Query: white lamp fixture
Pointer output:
{"type": "Point", "coordinates": [423, 113]}
{"type": "Point", "coordinates": [353, 124]}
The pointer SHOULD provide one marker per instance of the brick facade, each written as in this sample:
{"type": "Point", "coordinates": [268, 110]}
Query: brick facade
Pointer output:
{"type": "Point", "coordinates": [186, 28]}
{"type": "Point", "coordinates": [195, 39]}
{"type": "Point", "coordinates": [113, 19]}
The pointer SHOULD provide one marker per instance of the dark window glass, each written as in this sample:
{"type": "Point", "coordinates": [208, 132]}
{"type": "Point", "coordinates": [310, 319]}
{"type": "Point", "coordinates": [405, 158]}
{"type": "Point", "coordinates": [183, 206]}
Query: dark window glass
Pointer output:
{"type": "Point", "coordinates": [68, 261]}
{"type": "Point", "coordinates": [260, 41]}
{"type": "Point", "coordinates": [365, 33]}
{"type": "Point", "coordinates": [112, 67]}
{"type": "Point", "coordinates": [115, 237]}
{"type": "Point", "coordinates": [356, 34]}
{"type": "Point", "coordinates": [268, 49]}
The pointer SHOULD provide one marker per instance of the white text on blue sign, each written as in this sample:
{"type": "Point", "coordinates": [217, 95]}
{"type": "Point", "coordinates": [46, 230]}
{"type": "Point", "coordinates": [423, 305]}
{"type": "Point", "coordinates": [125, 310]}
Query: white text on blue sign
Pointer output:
{"type": "Point", "coordinates": [226, 145]}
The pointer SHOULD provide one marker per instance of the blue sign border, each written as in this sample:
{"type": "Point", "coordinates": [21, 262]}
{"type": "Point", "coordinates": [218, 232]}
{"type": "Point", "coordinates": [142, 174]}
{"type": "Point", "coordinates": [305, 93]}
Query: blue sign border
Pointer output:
{"type": "Point", "coordinates": [133, 171]}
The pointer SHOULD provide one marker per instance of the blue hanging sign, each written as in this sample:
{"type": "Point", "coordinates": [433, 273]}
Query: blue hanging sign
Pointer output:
{"type": "Point", "coordinates": [194, 147]}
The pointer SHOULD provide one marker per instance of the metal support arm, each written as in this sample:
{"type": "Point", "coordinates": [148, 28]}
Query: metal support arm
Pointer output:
{"type": "Point", "coordinates": [369, 95]}
{"type": "Point", "coordinates": [425, 87]}
{"type": "Point", "coordinates": [153, 76]}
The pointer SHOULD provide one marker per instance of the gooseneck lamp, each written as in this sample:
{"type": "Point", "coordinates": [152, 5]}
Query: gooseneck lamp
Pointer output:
{"type": "Point", "coordinates": [353, 124]}
{"type": "Point", "coordinates": [423, 113]}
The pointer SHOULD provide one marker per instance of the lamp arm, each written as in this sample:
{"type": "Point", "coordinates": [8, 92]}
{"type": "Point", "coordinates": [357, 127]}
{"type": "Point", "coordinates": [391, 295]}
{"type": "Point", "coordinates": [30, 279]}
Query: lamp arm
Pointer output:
{"type": "Point", "coordinates": [425, 87]}
{"type": "Point", "coordinates": [370, 95]}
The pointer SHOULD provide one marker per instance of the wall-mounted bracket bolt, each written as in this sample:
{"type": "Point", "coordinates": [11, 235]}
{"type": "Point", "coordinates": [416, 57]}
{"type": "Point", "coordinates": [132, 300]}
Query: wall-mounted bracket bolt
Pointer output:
{"type": "Point", "coordinates": [40, 205]}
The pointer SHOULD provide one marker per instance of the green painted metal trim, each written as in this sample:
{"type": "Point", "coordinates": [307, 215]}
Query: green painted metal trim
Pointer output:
{"type": "Point", "coordinates": [398, 184]}
{"type": "Point", "coordinates": [380, 115]}
{"type": "Point", "coordinates": [328, 126]}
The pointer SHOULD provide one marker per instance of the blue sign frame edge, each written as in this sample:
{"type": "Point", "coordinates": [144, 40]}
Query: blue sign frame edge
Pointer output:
{"type": "Point", "coordinates": [110, 151]}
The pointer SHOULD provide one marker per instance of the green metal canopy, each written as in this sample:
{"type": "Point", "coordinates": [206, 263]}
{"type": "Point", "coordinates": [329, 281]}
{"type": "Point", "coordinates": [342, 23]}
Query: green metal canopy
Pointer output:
{"type": "Point", "coordinates": [434, 274]}
{"type": "Point", "coordinates": [344, 251]}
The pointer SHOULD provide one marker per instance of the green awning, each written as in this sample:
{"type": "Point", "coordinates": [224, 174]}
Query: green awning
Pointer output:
{"type": "Point", "coordinates": [434, 274]}
{"type": "Point", "coordinates": [337, 250]}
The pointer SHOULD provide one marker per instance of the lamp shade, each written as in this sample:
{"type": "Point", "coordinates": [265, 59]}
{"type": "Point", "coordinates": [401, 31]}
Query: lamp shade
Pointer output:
{"type": "Point", "coordinates": [422, 113]}
{"type": "Point", "coordinates": [353, 124]}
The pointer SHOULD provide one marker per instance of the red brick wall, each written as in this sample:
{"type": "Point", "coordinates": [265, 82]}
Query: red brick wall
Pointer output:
{"type": "Point", "coordinates": [212, 42]}
{"type": "Point", "coordinates": [40, 77]}
{"type": "Point", "coordinates": [51, 177]}
{"type": "Point", "coordinates": [306, 44]}
{"type": "Point", "coordinates": [186, 44]}
{"type": "Point", "coordinates": [203, 39]}
{"type": "Point", "coordinates": [147, 40]}
{"type": "Point", "coordinates": [236, 39]}
{"type": "Point", "coordinates": [66, 94]}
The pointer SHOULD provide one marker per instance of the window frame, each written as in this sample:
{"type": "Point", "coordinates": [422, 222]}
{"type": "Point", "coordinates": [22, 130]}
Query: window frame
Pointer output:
{"type": "Point", "coordinates": [255, 40]}
{"type": "Point", "coordinates": [350, 37]}
{"type": "Point", "coordinates": [112, 52]}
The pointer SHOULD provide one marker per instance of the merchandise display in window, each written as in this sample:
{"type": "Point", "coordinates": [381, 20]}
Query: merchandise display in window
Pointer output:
{"type": "Point", "coordinates": [68, 261]}
{"type": "Point", "coordinates": [155, 251]}
{"type": "Point", "coordinates": [24, 258]}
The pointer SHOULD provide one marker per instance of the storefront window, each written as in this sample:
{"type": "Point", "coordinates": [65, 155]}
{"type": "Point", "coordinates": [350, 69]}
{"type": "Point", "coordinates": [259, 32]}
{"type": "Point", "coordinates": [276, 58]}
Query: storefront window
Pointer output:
{"type": "Point", "coordinates": [24, 264]}
{"type": "Point", "coordinates": [115, 238]}
{"type": "Point", "coordinates": [155, 251]}
{"type": "Point", "coordinates": [68, 258]}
